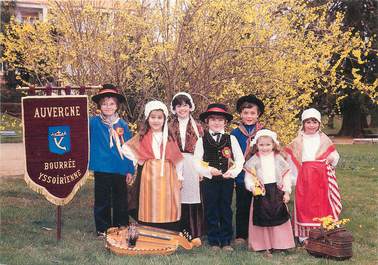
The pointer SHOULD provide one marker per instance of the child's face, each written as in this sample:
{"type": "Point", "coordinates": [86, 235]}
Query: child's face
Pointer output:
{"type": "Point", "coordinates": [183, 110]}
{"type": "Point", "coordinates": [108, 106]}
{"type": "Point", "coordinates": [156, 120]}
{"type": "Point", "coordinates": [310, 126]}
{"type": "Point", "coordinates": [216, 123]}
{"type": "Point", "coordinates": [249, 116]}
{"type": "Point", "coordinates": [265, 145]}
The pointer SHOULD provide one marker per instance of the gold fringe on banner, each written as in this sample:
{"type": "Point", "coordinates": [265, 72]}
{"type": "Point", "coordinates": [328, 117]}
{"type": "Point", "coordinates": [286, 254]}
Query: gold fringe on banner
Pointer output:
{"type": "Point", "coordinates": [51, 198]}
{"type": "Point", "coordinates": [40, 189]}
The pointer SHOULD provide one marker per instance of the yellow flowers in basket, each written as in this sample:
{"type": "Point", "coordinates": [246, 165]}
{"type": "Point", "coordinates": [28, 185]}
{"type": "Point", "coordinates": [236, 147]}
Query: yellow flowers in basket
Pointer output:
{"type": "Point", "coordinates": [328, 223]}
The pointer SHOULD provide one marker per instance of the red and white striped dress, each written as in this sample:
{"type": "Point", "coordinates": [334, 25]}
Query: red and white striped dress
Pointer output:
{"type": "Point", "coordinates": [317, 193]}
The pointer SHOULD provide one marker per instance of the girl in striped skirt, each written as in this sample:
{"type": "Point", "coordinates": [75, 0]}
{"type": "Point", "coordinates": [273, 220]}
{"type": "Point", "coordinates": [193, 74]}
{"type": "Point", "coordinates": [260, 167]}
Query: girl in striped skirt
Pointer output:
{"type": "Point", "coordinates": [156, 151]}
{"type": "Point", "coordinates": [313, 156]}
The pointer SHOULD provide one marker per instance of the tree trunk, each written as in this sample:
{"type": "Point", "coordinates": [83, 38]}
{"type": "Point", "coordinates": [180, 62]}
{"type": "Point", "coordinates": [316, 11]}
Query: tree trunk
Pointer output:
{"type": "Point", "coordinates": [330, 122]}
{"type": "Point", "coordinates": [352, 118]}
{"type": "Point", "coordinates": [374, 117]}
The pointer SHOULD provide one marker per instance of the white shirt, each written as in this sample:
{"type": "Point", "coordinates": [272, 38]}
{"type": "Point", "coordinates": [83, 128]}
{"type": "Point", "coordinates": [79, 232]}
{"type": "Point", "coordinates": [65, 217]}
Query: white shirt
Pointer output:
{"type": "Point", "coordinates": [205, 170]}
{"type": "Point", "coordinates": [268, 168]}
{"type": "Point", "coordinates": [311, 143]}
{"type": "Point", "coordinates": [157, 138]}
{"type": "Point", "coordinates": [183, 124]}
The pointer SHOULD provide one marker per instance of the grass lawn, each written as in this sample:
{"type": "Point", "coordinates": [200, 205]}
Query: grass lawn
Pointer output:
{"type": "Point", "coordinates": [26, 218]}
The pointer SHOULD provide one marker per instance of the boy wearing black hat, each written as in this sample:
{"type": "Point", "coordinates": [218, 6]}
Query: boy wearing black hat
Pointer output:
{"type": "Point", "coordinates": [111, 168]}
{"type": "Point", "coordinates": [219, 159]}
{"type": "Point", "coordinates": [250, 108]}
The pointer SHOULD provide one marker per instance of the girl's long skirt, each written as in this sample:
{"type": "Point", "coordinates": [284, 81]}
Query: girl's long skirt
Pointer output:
{"type": "Point", "coordinates": [159, 196]}
{"type": "Point", "coordinates": [313, 197]}
{"type": "Point", "coordinates": [269, 223]}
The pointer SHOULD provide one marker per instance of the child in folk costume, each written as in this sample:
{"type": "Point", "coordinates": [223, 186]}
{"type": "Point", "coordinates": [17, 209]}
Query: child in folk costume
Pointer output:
{"type": "Point", "coordinates": [313, 157]}
{"type": "Point", "coordinates": [268, 177]}
{"type": "Point", "coordinates": [186, 132]}
{"type": "Point", "coordinates": [250, 109]}
{"type": "Point", "coordinates": [161, 176]}
{"type": "Point", "coordinates": [219, 159]}
{"type": "Point", "coordinates": [111, 168]}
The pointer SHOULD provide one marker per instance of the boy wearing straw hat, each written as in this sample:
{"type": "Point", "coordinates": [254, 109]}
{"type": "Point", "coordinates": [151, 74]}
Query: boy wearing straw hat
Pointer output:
{"type": "Point", "coordinates": [111, 168]}
{"type": "Point", "coordinates": [219, 159]}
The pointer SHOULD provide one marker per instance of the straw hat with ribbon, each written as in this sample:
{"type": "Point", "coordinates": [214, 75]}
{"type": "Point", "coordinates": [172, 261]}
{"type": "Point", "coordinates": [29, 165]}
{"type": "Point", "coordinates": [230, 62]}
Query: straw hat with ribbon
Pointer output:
{"type": "Point", "coordinates": [108, 90]}
{"type": "Point", "coordinates": [216, 109]}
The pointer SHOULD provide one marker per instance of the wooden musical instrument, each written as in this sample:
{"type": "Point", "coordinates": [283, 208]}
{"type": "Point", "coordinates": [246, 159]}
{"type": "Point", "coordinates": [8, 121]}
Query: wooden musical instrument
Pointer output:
{"type": "Point", "coordinates": [150, 241]}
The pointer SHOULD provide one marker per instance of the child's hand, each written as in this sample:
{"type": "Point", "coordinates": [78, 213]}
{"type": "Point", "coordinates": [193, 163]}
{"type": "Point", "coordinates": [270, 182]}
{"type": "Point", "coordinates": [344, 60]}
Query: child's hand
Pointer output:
{"type": "Point", "coordinates": [129, 179]}
{"type": "Point", "coordinates": [286, 197]}
{"type": "Point", "coordinates": [329, 161]}
{"type": "Point", "coordinates": [215, 172]}
{"type": "Point", "coordinates": [200, 177]}
{"type": "Point", "coordinates": [227, 175]}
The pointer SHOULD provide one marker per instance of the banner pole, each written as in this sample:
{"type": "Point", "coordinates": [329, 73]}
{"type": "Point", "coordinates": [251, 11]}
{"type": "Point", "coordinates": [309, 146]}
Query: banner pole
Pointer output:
{"type": "Point", "coordinates": [58, 222]}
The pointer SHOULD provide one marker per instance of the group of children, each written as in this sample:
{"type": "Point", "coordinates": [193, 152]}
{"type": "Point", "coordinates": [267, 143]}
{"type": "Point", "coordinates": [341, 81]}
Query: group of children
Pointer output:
{"type": "Point", "coordinates": [186, 175]}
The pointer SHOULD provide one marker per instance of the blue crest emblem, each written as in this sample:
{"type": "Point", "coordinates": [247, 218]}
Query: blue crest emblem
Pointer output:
{"type": "Point", "coordinates": [59, 139]}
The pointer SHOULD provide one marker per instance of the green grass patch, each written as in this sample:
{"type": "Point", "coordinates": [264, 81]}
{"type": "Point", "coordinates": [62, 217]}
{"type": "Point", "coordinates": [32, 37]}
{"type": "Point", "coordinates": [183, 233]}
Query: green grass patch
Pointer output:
{"type": "Point", "coordinates": [26, 218]}
{"type": "Point", "coordinates": [10, 123]}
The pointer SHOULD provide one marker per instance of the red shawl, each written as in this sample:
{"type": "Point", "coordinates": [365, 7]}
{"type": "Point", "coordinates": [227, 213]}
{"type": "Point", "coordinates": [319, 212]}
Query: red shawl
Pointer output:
{"type": "Point", "coordinates": [142, 148]}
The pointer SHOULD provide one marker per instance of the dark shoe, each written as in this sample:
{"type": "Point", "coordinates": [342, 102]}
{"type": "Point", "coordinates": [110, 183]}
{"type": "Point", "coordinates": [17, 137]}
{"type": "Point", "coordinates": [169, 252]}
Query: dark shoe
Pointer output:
{"type": "Point", "coordinates": [268, 254]}
{"type": "Point", "coordinates": [302, 244]}
{"type": "Point", "coordinates": [101, 235]}
{"type": "Point", "coordinates": [227, 248]}
{"type": "Point", "coordinates": [239, 241]}
{"type": "Point", "coordinates": [215, 248]}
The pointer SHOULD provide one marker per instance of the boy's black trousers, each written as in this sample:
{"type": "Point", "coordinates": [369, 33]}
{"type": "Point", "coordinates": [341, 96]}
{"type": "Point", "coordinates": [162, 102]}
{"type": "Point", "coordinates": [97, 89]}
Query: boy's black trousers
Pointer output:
{"type": "Point", "coordinates": [217, 195]}
{"type": "Point", "coordinates": [110, 191]}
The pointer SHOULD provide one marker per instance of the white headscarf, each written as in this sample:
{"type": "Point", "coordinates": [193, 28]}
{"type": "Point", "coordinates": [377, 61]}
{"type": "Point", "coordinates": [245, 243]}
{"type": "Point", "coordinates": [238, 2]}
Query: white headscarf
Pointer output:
{"type": "Point", "coordinates": [193, 107]}
{"type": "Point", "coordinates": [158, 105]}
{"type": "Point", "coordinates": [311, 113]}
{"type": "Point", "coordinates": [183, 94]}
{"type": "Point", "coordinates": [265, 132]}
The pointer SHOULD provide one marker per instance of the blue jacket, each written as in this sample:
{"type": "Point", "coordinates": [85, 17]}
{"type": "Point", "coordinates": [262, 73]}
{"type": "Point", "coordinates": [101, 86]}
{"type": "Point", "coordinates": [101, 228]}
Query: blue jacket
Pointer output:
{"type": "Point", "coordinates": [242, 139]}
{"type": "Point", "coordinates": [102, 157]}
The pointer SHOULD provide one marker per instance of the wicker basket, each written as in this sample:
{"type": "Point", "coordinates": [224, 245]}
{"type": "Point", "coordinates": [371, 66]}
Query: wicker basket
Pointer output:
{"type": "Point", "coordinates": [336, 243]}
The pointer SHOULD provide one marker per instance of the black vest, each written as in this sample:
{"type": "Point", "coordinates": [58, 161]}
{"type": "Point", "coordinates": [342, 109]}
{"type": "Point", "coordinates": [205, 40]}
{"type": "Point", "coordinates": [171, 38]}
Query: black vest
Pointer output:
{"type": "Point", "coordinates": [214, 153]}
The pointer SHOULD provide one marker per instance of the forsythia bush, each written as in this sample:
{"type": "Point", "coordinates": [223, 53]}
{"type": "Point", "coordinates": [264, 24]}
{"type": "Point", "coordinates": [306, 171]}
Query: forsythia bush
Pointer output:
{"type": "Point", "coordinates": [217, 50]}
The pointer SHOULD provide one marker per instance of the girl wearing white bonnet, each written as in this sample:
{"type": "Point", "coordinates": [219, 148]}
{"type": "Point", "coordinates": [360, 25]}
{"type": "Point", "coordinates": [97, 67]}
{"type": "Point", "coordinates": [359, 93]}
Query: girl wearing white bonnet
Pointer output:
{"type": "Point", "coordinates": [157, 152]}
{"type": "Point", "coordinates": [313, 156]}
{"type": "Point", "coordinates": [268, 177]}
{"type": "Point", "coordinates": [186, 131]}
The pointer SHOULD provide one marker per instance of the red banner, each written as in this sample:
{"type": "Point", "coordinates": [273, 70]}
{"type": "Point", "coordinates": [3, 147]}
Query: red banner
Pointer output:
{"type": "Point", "coordinates": [56, 145]}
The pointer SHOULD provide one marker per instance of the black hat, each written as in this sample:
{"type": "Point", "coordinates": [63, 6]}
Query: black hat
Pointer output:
{"type": "Point", "coordinates": [250, 99]}
{"type": "Point", "coordinates": [216, 109]}
{"type": "Point", "coordinates": [108, 90]}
